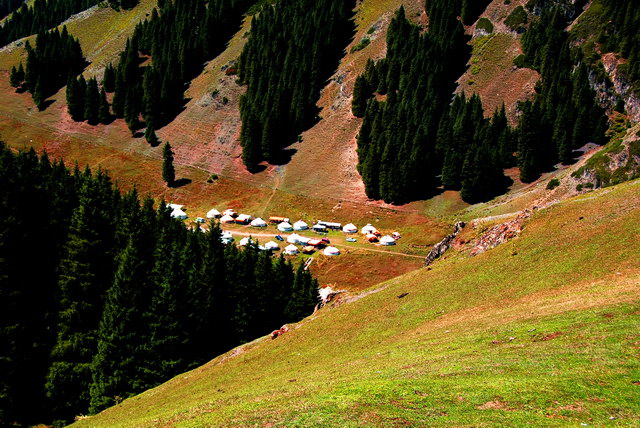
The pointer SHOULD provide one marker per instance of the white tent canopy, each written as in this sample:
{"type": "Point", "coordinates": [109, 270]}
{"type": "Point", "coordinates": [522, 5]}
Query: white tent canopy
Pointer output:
{"type": "Point", "coordinates": [387, 240]}
{"type": "Point", "coordinates": [213, 213]}
{"type": "Point", "coordinates": [303, 240]}
{"type": "Point", "coordinates": [300, 225]}
{"type": "Point", "coordinates": [331, 251]}
{"type": "Point", "coordinates": [226, 237]}
{"type": "Point", "coordinates": [368, 229]}
{"type": "Point", "coordinates": [291, 249]}
{"type": "Point", "coordinates": [271, 246]}
{"type": "Point", "coordinates": [259, 223]}
{"type": "Point", "coordinates": [350, 228]}
{"type": "Point", "coordinates": [227, 219]}
{"type": "Point", "coordinates": [285, 227]}
{"type": "Point", "coordinates": [175, 206]}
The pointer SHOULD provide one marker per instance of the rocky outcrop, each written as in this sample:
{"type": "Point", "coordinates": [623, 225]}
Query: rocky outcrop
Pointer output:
{"type": "Point", "coordinates": [441, 247]}
{"type": "Point", "coordinates": [501, 233]}
{"type": "Point", "coordinates": [622, 86]}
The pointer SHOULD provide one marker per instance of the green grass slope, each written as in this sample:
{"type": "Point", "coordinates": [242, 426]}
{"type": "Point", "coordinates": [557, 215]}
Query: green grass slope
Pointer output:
{"type": "Point", "coordinates": [543, 330]}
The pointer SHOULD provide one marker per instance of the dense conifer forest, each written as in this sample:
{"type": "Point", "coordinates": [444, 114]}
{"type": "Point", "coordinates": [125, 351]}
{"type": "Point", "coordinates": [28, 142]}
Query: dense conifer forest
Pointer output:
{"type": "Point", "coordinates": [293, 48]}
{"type": "Point", "coordinates": [104, 295]}
{"type": "Point", "coordinates": [416, 139]}
{"type": "Point", "coordinates": [8, 6]}
{"type": "Point", "coordinates": [178, 38]}
{"type": "Point", "coordinates": [56, 56]}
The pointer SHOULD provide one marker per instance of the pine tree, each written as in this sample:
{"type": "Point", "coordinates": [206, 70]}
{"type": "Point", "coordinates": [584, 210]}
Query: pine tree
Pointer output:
{"type": "Point", "coordinates": [150, 136]}
{"type": "Point", "coordinates": [14, 79]}
{"type": "Point", "coordinates": [121, 336]}
{"type": "Point", "coordinates": [104, 115]}
{"type": "Point", "coordinates": [92, 102]}
{"type": "Point", "coordinates": [361, 94]}
{"type": "Point", "coordinates": [168, 170]}
{"type": "Point", "coordinates": [109, 79]}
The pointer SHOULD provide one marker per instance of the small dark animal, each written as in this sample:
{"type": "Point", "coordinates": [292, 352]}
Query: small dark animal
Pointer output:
{"type": "Point", "coordinates": [403, 295]}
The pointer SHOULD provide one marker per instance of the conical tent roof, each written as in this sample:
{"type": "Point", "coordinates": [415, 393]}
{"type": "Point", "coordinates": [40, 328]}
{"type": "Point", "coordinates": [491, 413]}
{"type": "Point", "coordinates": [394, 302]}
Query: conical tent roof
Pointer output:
{"type": "Point", "coordinates": [285, 227]}
{"type": "Point", "coordinates": [350, 228]}
{"type": "Point", "coordinates": [300, 225]}
{"type": "Point", "coordinates": [387, 240]}
{"type": "Point", "coordinates": [213, 213]}
{"type": "Point", "coordinates": [227, 219]}
{"type": "Point", "coordinates": [291, 249]}
{"type": "Point", "coordinates": [368, 229]}
{"type": "Point", "coordinates": [245, 241]}
{"type": "Point", "coordinates": [331, 251]}
{"type": "Point", "coordinates": [271, 245]}
{"type": "Point", "coordinates": [258, 222]}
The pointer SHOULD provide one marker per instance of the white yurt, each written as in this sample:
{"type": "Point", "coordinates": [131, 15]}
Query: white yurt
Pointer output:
{"type": "Point", "coordinates": [175, 206]}
{"type": "Point", "coordinates": [258, 222]}
{"type": "Point", "coordinates": [387, 240]}
{"type": "Point", "coordinates": [245, 241]}
{"type": "Point", "coordinates": [350, 228]}
{"type": "Point", "coordinates": [291, 250]}
{"type": "Point", "coordinates": [300, 225]}
{"type": "Point", "coordinates": [178, 213]}
{"type": "Point", "coordinates": [285, 227]}
{"type": "Point", "coordinates": [226, 237]}
{"type": "Point", "coordinates": [230, 212]}
{"type": "Point", "coordinates": [331, 251]}
{"type": "Point", "coordinates": [294, 238]}
{"type": "Point", "coordinates": [213, 213]}
{"type": "Point", "coordinates": [227, 219]}
{"type": "Point", "coordinates": [368, 229]}
{"type": "Point", "coordinates": [271, 246]}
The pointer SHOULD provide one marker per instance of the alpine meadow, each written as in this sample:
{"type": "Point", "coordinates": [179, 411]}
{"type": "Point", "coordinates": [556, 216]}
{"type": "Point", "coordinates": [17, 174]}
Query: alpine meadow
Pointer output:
{"type": "Point", "coordinates": [319, 213]}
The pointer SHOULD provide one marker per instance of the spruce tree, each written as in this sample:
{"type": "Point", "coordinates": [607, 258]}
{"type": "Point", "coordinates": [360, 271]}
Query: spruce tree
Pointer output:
{"type": "Point", "coordinates": [168, 170]}
{"type": "Point", "coordinates": [104, 114]}
{"type": "Point", "coordinates": [121, 336]}
{"type": "Point", "coordinates": [150, 136]}
{"type": "Point", "coordinates": [92, 102]}
{"type": "Point", "coordinates": [109, 79]}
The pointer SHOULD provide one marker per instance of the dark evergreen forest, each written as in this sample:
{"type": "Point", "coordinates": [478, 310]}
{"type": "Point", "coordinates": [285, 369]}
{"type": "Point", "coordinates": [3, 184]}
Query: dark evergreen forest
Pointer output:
{"type": "Point", "coordinates": [8, 6]}
{"type": "Point", "coordinates": [293, 48]}
{"type": "Point", "coordinates": [179, 37]}
{"type": "Point", "coordinates": [417, 139]}
{"type": "Point", "coordinates": [56, 57]}
{"type": "Point", "coordinates": [103, 295]}
{"type": "Point", "coordinates": [46, 14]}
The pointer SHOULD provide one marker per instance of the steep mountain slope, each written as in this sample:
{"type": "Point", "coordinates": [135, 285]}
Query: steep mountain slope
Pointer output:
{"type": "Point", "coordinates": [532, 332]}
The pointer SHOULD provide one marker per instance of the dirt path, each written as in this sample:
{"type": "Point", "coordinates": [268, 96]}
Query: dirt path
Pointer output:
{"type": "Point", "coordinates": [272, 235]}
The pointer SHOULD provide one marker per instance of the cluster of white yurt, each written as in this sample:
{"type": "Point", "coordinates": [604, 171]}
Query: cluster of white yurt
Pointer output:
{"type": "Point", "coordinates": [258, 222]}
{"type": "Point", "coordinates": [350, 228]}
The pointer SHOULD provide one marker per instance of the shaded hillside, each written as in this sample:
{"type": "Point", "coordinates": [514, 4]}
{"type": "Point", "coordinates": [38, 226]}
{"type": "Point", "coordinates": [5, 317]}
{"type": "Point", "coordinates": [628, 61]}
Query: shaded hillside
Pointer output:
{"type": "Point", "coordinates": [473, 341]}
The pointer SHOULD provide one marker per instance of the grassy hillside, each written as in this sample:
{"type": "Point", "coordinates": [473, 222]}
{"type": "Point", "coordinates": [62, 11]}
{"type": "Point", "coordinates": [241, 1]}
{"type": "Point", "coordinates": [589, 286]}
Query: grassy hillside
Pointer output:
{"type": "Point", "coordinates": [542, 330]}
